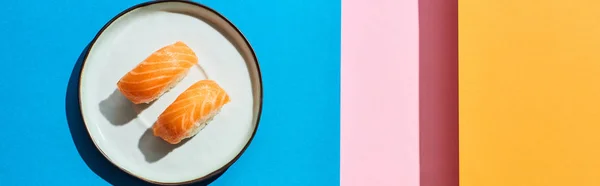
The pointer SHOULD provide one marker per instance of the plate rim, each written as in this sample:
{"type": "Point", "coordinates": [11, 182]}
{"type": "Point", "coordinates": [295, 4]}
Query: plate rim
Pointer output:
{"type": "Point", "coordinates": [199, 5]}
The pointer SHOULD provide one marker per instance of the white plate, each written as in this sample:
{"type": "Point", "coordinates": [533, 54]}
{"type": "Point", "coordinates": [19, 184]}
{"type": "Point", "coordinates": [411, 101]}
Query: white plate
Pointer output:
{"type": "Point", "coordinates": [121, 130]}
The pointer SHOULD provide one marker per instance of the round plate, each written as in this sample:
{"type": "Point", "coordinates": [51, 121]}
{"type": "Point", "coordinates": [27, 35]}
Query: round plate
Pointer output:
{"type": "Point", "coordinates": [122, 130]}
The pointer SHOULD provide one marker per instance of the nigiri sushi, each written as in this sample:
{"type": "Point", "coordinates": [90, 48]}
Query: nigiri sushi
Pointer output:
{"type": "Point", "coordinates": [158, 73]}
{"type": "Point", "coordinates": [191, 111]}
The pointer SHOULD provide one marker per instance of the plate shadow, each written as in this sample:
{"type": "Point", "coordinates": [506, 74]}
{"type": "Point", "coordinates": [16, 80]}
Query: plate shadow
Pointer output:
{"type": "Point", "coordinates": [119, 110]}
{"type": "Point", "coordinates": [86, 148]}
{"type": "Point", "coordinates": [155, 148]}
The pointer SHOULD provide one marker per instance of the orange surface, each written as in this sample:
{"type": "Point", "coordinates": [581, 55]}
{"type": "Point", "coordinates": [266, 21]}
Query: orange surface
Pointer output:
{"type": "Point", "coordinates": [529, 92]}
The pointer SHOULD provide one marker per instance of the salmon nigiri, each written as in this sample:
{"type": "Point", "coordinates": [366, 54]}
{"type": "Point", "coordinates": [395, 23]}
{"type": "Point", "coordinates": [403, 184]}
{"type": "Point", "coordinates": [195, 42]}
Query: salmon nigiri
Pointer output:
{"type": "Point", "coordinates": [158, 73]}
{"type": "Point", "coordinates": [191, 111]}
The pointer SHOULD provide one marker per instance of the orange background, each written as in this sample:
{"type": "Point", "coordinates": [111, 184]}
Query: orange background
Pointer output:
{"type": "Point", "coordinates": [529, 93]}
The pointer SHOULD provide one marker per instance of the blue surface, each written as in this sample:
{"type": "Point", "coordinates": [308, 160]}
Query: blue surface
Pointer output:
{"type": "Point", "coordinates": [44, 141]}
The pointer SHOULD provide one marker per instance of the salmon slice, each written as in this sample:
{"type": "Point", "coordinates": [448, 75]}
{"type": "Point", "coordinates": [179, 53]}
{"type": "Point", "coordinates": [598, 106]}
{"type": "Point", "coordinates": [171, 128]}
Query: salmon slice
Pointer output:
{"type": "Point", "coordinates": [158, 73]}
{"type": "Point", "coordinates": [191, 111]}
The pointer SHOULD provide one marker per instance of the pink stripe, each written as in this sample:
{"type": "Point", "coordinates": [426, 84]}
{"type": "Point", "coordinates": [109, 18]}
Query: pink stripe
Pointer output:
{"type": "Point", "coordinates": [438, 31]}
{"type": "Point", "coordinates": [380, 93]}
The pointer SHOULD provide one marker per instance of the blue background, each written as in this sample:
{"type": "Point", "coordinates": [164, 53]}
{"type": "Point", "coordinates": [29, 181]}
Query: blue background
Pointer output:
{"type": "Point", "coordinates": [44, 141]}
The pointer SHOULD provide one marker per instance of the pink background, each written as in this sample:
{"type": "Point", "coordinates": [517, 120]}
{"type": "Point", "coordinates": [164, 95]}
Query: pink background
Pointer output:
{"type": "Point", "coordinates": [399, 100]}
{"type": "Point", "coordinates": [380, 93]}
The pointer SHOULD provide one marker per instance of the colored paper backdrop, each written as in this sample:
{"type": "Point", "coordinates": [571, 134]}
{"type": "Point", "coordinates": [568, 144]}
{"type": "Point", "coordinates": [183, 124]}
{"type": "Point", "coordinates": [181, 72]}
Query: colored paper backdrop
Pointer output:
{"type": "Point", "coordinates": [529, 93]}
{"type": "Point", "coordinates": [45, 142]}
{"type": "Point", "coordinates": [380, 93]}
{"type": "Point", "coordinates": [379, 77]}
